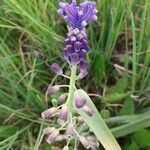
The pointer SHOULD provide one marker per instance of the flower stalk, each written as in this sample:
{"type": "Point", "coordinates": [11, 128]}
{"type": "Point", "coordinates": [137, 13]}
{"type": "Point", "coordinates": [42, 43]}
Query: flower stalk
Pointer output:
{"type": "Point", "coordinates": [71, 90]}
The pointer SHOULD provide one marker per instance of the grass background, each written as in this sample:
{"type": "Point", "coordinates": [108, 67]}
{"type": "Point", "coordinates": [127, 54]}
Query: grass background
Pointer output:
{"type": "Point", "coordinates": [31, 38]}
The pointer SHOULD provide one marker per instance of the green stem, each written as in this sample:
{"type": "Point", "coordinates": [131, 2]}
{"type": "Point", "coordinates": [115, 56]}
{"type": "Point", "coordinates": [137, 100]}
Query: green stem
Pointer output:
{"type": "Point", "coordinates": [71, 89]}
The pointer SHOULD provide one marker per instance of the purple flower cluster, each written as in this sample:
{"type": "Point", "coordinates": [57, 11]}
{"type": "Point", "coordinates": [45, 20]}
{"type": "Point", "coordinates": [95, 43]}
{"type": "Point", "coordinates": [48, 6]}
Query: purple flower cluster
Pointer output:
{"type": "Point", "coordinates": [78, 17]}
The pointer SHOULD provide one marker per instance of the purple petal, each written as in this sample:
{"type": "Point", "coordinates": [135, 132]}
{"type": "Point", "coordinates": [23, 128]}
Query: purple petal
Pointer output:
{"type": "Point", "coordinates": [77, 46]}
{"type": "Point", "coordinates": [74, 59]}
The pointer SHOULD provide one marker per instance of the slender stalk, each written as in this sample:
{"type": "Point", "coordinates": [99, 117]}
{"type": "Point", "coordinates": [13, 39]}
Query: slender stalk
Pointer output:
{"type": "Point", "coordinates": [71, 89]}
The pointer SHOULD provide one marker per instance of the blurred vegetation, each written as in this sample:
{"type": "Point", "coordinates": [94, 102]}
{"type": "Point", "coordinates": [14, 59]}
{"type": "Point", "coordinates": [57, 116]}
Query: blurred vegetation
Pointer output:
{"type": "Point", "coordinates": [31, 38]}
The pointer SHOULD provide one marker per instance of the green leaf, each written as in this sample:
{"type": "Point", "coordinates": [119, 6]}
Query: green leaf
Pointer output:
{"type": "Point", "coordinates": [142, 138]}
{"type": "Point", "coordinates": [105, 113]}
{"type": "Point", "coordinates": [128, 107]}
{"type": "Point", "coordinates": [138, 124]}
{"type": "Point", "coordinates": [98, 66]}
{"type": "Point", "coordinates": [7, 131]}
{"type": "Point", "coordinates": [132, 146]}
{"type": "Point", "coordinates": [117, 92]}
{"type": "Point", "coordinates": [97, 125]}
{"type": "Point", "coordinates": [120, 86]}
{"type": "Point", "coordinates": [115, 97]}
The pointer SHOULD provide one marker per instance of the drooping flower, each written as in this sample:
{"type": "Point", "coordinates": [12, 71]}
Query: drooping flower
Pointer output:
{"type": "Point", "coordinates": [52, 89]}
{"type": "Point", "coordinates": [76, 43]}
{"type": "Point", "coordinates": [79, 101]}
{"type": "Point", "coordinates": [56, 69]}
{"type": "Point", "coordinates": [88, 110]}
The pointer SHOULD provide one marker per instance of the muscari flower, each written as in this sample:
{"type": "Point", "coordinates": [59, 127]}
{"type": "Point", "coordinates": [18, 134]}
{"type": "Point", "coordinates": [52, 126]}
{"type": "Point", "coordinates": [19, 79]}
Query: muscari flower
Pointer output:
{"type": "Point", "coordinates": [78, 17]}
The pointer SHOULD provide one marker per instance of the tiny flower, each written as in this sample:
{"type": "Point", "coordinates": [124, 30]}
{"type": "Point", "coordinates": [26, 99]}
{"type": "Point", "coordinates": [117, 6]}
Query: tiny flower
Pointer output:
{"type": "Point", "coordinates": [82, 74]}
{"type": "Point", "coordinates": [93, 141]}
{"type": "Point", "coordinates": [59, 138]}
{"type": "Point", "coordinates": [70, 129]}
{"type": "Point", "coordinates": [49, 113]}
{"type": "Point", "coordinates": [56, 69]}
{"type": "Point", "coordinates": [53, 89]}
{"type": "Point", "coordinates": [79, 101]}
{"type": "Point", "coordinates": [84, 142]}
{"type": "Point", "coordinates": [78, 16]}
{"type": "Point", "coordinates": [89, 111]}
{"type": "Point", "coordinates": [63, 113]}
{"type": "Point", "coordinates": [61, 99]}
{"type": "Point", "coordinates": [48, 130]}
{"type": "Point", "coordinates": [52, 136]}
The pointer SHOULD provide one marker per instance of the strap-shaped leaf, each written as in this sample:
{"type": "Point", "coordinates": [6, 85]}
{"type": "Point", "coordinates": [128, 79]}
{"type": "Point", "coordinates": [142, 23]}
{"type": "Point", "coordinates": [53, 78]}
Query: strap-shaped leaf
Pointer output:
{"type": "Point", "coordinates": [97, 125]}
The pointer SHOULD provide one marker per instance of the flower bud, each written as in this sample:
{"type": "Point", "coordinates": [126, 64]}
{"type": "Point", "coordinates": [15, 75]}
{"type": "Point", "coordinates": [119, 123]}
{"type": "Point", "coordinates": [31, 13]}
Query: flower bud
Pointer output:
{"type": "Point", "coordinates": [63, 113]}
{"type": "Point", "coordinates": [48, 130]}
{"type": "Point", "coordinates": [52, 136]}
{"type": "Point", "coordinates": [93, 141]}
{"type": "Point", "coordinates": [61, 99]}
{"type": "Point", "coordinates": [49, 113]}
{"type": "Point", "coordinates": [56, 69]}
{"type": "Point", "coordinates": [83, 74]}
{"type": "Point", "coordinates": [79, 101]}
{"type": "Point", "coordinates": [59, 138]}
{"type": "Point", "coordinates": [60, 12]}
{"type": "Point", "coordinates": [84, 142]}
{"type": "Point", "coordinates": [89, 111]}
{"type": "Point", "coordinates": [84, 23]}
{"type": "Point", "coordinates": [52, 89]}
{"type": "Point", "coordinates": [61, 122]}
{"type": "Point", "coordinates": [70, 129]}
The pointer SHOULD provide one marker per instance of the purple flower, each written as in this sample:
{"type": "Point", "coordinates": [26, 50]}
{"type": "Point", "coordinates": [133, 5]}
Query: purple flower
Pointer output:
{"type": "Point", "coordinates": [56, 69]}
{"type": "Point", "coordinates": [78, 16]}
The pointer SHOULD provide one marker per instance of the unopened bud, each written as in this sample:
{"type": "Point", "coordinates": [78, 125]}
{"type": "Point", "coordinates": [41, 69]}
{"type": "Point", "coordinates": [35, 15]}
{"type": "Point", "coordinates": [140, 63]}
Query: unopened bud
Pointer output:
{"type": "Point", "coordinates": [89, 111]}
{"type": "Point", "coordinates": [93, 141]}
{"type": "Point", "coordinates": [79, 101]}
{"type": "Point", "coordinates": [82, 74]}
{"type": "Point", "coordinates": [53, 89]}
{"type": "Point", "coordinates": [84, 142]}
{"type": "Point", "coordinates": [61, 99]}
{"type": "Point", "coordinates": [70, 129]}
{"type": "Point", "coordinates": [63, 113]}
{"type": "Point", "coordinates": [59, 138]}
{"type": "Point", "coordinates": [84, 23]}
{"type": "Point", "coordinates": [56, 69]}
{"type": "Point", "coordinates": [52, 136]}
{"type": "Point", "coordinates": [49, 113]}
{"type": "Point", "coordinates": [61, 122]}
{"type": "Point", "coordinates": [48, 130]}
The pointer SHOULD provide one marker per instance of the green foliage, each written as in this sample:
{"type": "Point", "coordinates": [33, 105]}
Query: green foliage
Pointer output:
{"type": "Point", "coordinates": [142, 138]}
{"type": "Point", "coordinates": [117, 92]}
{"type": "Point", "coordinates": [99, 66]}
{"type": "Point", "coordinates": [31, 38]}
{"type": "Point", "coordinates": [7, 131]}
{"type": "Point", "coordinates": [128, 107]}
